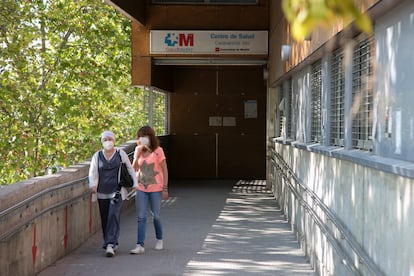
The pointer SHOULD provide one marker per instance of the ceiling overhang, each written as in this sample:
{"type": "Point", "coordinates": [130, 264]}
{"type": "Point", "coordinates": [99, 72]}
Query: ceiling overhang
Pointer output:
{"type": "Point", "coordinates": [134, 10]}
{"type": "Point", "coordinates": [208, 61]}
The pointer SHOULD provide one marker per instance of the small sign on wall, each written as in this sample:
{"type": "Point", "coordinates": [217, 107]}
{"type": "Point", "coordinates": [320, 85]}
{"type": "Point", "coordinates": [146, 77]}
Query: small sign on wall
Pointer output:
{"type": "Point", "coordinates": [215, 121]}
{"type": "Point", "coordinates": [229, 121]}
{"type": "Point", "coordinates": [250, 109]}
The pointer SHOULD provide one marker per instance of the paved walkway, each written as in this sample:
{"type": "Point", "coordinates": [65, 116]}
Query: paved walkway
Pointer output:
{"type": "Point", "coordinates": [214, 227]}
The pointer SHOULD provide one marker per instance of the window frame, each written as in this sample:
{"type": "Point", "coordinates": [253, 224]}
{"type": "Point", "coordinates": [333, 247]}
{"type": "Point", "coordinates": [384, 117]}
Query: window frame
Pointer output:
{"type": "Point", "coordinates": [337, 99]}
{"type": "Point", "coordinates": [362, 95]}
{"type": "Point", "coordinates": [316, 102]}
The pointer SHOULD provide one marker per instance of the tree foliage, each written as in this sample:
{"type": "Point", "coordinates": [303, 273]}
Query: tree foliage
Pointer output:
{"type": "Point", "coordinates": [64, 78]}
{"type": "Point", "coordinates": [306, 15]}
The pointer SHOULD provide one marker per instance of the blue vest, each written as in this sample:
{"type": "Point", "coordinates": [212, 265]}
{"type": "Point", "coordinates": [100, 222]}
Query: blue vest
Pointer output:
{"type": "Point", "coordinates": [108, 173]}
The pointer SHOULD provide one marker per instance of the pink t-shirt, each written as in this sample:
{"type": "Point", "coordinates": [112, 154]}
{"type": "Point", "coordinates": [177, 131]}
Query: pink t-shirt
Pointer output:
{"type": "Point", "coordinates": [150, 176]}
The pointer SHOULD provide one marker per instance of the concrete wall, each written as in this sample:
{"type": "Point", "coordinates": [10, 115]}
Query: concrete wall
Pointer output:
{"type": "Point", "coordinates": [375, 209]}
{"type": "Point", "coordinates": [45, 218]}
{"type": "Point", "coordinates": [394, 37]}
{"type": "Point", "coordinates": [352, 209]}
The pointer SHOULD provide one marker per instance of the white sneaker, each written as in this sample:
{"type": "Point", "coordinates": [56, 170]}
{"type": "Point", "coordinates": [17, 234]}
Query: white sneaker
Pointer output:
{"type": "Point", "coordinates": [109, 251]}
{"type": "Point", "coordinates": [159, 245]}
{"type": "Point", "coordinates": [137, 250]}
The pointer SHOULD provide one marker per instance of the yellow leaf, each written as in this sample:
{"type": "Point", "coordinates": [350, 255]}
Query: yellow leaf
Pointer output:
{"type": "Point", "coordinates": [318, 9]}
{"type": "Point", "coordinates": [364, 23]}
{"type": "Point", "coordinates": [287, 10]}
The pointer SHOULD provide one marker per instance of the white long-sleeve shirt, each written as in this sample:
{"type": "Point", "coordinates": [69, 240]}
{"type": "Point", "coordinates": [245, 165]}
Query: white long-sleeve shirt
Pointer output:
{"type": "Point", "coordinates": [94, 173]}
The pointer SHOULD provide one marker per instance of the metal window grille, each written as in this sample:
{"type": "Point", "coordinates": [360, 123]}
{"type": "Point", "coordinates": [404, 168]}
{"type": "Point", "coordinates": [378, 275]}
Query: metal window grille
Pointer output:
{"type": "Point", "coordinates": [282, 117]}
{"type": "Point", "coordinates": [156, 110]}
{"type": "Point", "coordinates": [160, 111]}
{"type": "Point", "coordinates": [316, 91]}
{"type": "Point", "coordinates": [362, 96]}
{"type": "Point", "coordinates": [146, 105]}
{"type": "Point", "coordinates": [290, 106]}
{"type": "Point", "coordinates": [337, 105]}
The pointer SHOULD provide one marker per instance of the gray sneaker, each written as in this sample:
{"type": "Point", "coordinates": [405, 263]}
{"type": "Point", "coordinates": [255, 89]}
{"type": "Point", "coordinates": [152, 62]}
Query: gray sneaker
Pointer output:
{"type": "Point", "coordinates": [137, 250]}
{"type": "Point", "coordinates": [159, 245]}
{"type": "Point", "coordinates": [109, 252]}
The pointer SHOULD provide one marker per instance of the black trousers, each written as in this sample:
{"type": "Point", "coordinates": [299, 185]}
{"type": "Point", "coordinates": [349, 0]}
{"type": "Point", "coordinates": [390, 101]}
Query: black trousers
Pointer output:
{"type": "Point", "coordinates": [110, 220]}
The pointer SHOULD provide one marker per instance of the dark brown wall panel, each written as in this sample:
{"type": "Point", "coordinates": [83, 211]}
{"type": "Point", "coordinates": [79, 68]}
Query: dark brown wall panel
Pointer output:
{"type": "Point", "coordinates": [141, 61]}
{"type": "Point", "coordinates": [140, 36]}
{"type": "Point", "coordinates": [194, 80]}
{"type": "Point", "coordinates": [162, 77]}
{"type": "Point", "coordinates": [202, 17]}
{"type": "Point", "coordinates": [197, 149]}
{"type": "Point", "coordinates": [191, 156]}
{"type": "Point", "coordinates": [201, 92]}
{"type": "Point", "coordinates": [132, 9]}
{"type": "Point", "coordinates": [141, 71]}
{"type": "Point", "coordinates": [242, 156]}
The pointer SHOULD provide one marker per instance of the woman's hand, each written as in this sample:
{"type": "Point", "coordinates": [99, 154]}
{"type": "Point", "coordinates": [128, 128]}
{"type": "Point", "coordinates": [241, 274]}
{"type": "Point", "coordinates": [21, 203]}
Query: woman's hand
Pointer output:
{"type": "Point", "coordinates": [142, 149]}
{"type": "Point", "coordinates": [165, 192]}
{"type": "Point", "coordinates": [93, 189]}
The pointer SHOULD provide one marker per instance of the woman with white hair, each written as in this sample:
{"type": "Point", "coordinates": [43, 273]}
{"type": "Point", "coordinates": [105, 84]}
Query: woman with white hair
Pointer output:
{"type": "Point", "coordinates": [104, 181]}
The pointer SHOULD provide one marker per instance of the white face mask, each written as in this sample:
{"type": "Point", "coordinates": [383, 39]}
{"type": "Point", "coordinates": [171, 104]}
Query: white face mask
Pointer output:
{"type": "Point", "coordinates": [144, 140]}
{"type": "Point", "coordinates": [108, 145]}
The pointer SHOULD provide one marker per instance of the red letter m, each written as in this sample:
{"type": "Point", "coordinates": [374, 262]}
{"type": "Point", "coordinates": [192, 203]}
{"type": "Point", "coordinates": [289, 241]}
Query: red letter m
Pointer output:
{"type": "Point", "coordinates": [186, 41]}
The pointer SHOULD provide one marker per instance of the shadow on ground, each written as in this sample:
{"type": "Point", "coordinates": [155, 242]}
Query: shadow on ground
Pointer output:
{"type": "Point", "coordinates": [211, 227]}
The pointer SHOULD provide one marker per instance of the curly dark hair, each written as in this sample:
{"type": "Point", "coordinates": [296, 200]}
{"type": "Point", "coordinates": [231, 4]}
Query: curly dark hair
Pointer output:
{"type": "Point", "coordinates": [148, 131]}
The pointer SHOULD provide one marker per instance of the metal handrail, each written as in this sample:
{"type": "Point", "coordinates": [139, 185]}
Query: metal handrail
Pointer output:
{"type": "Point", "coordinates": [345, 233]}
{"type": "Point", "coordinates": [4, 237]}
{"type": "Point", "coordinates": [24, 203]}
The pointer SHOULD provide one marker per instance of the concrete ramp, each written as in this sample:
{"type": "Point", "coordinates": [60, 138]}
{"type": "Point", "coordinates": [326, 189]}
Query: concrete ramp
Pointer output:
{"type": "Point", "coordinates": [211, 227]}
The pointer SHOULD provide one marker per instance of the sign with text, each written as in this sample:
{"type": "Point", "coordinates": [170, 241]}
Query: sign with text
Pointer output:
{"type": "Point", "coordinates": [250, 109]}
{"type": "Point", "coordinates": [209, 42]}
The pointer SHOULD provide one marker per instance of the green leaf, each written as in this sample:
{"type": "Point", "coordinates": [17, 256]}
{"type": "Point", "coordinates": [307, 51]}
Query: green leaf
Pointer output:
{"type": "Point", "coordinates": [64, 79]}
{"type": "Point", "coordinates": [305, 15]}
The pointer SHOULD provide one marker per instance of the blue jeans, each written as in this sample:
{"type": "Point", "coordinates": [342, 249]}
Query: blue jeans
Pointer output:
{"type": "Point", "coordinates": [142, 200]}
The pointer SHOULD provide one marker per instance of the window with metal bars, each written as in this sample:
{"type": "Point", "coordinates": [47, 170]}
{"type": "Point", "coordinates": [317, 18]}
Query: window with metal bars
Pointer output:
{"type": "Point", "coordinates": [290, 131]}
{"type": "Point", "coordinates": [362, 96]}
{"type": "Point", "coordinates": [146, 105]}
{"type": "Point", "coordinates": [156, 110]}
{"type": "Point", "coordinates": [160, 105]}
{"type": "Point", "coordinates": [316, 92]}
{"type": "Point", "coordinates": [337, 104]}
{"type": "Point", "coordinates": [282, 116]}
